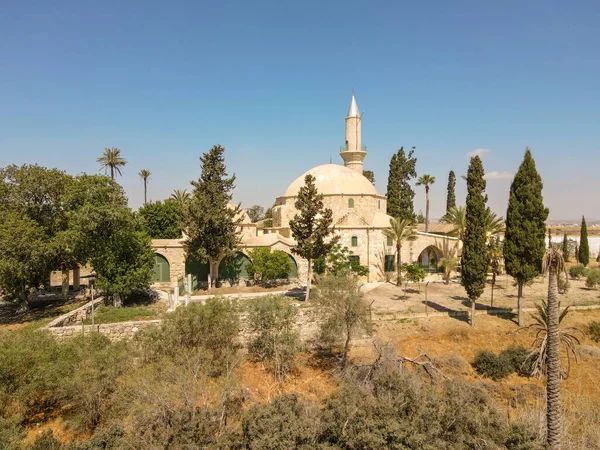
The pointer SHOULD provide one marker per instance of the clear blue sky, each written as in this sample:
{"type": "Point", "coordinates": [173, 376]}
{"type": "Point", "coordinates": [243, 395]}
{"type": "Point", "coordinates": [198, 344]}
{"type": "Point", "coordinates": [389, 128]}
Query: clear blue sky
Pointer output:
{"type": "Point", "coordinates": [271, 81]}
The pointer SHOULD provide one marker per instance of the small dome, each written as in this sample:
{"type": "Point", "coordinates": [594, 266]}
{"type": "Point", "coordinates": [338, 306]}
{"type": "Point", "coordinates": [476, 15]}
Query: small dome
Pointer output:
{"type": "Point", "coordinates": [334, 179]}
{"type": "Point", "coordinates": [243, 214]}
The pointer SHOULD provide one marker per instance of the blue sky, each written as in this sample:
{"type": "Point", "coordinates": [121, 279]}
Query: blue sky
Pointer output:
{"type": "Point", "coordinates": [271, 81]}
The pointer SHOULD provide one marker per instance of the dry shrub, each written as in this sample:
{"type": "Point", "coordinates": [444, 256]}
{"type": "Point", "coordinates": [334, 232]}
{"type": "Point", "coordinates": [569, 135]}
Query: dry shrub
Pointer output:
{"type": "Point", "coordinates": [452, 363]}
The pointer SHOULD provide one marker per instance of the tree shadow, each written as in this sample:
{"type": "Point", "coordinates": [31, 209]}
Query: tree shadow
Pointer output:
{"type": "Point", "coordinates": [461, 316]}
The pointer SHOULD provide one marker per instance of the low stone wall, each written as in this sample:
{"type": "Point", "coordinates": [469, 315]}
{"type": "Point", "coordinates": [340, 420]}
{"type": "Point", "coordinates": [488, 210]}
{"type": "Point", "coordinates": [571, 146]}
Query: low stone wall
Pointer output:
{"type": "Point", "coordinates": [75, 316]}
{"type": "Point", "coordinates": [113, 331]}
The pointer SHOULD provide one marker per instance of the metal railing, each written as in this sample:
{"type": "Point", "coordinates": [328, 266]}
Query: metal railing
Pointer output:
{"type": "Point", "coordinates": [344, 148]}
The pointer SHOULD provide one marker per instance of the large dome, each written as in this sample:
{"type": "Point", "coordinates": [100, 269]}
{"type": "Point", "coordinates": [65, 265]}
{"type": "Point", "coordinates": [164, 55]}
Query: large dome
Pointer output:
{"type": "Point", "coordinates": [331, 179]}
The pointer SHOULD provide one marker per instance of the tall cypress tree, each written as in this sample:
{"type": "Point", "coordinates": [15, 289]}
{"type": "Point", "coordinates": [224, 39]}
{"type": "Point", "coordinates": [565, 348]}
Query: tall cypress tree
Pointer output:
{"type": "Point", "coordinates": [524, 244]}
{"type": "Point", "coordinates": [475, 250]}
{"type": "Point", "coordinates": [209, 224]}
{"type": "Point", "coordinates": [393, 188]}
{"type": "Point", "coordinates": [565, 248]}
{"type": "Point", "coordinates": [451, 195]}
{"type": "Point", "coordinates": [584, 245]}
{"type": "Point", "coordinates": [311, 227]}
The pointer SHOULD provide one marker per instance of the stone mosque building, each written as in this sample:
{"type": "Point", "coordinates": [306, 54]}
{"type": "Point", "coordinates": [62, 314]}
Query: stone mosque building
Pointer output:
{"type": "Point", "coordinates": [359, 216]}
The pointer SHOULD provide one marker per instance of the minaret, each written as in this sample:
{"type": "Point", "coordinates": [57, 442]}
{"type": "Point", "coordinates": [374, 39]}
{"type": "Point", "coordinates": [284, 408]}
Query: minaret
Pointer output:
{"type": "Point", "coordinates": [353, 153]}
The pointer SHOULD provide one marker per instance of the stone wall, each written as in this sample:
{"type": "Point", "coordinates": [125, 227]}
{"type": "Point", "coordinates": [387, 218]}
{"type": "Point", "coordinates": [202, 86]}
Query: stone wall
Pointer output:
{"type": "Point", "coordinates": [75, 316]}
{"type": "Point", "coordinates": [113, 331]}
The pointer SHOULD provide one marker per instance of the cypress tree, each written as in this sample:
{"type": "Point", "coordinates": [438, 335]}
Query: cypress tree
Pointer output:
{"type": "Point", "coordinates": [475, 250]}
{"type": "Point", "coordinates": [311, 226]}
{"type": "Point", "coordinates": [400, 194]}
{"type": "Point", "coordinates": [524, 244]}
{"type": "Point", "coordinates": [565, 248]}
{"type": "Point", "coordinates": [209, 224]}
{"type": "Point", "coordinates": [584, 245]}
{"type": "Point", "coordinates": [393, 188]}
{"type": "Point", "coordinates": [451, 195]}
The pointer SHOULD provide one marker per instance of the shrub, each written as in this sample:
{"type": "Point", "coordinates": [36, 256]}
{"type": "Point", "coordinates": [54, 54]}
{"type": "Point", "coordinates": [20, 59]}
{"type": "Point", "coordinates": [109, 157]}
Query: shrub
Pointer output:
{"type": "Point", "coordinates": [563, 283]}
{"type": "Point", "coordinates": [415, 273]}
{"type": "Point", "coordinates": [46, 441]}
{"type": "Point", "coordinates": [593, 278]}
{"type": "Point", "coordinates": [593, 330]}
{"type": "Point", "coordinates": [11, 433]}
{"type": "Point", "coordinates": [267, 265]}
{"type": "Point", "coordinates": [275, 343]}
{"type": "Point", "coordinates": [576, 272]}
{"type": "Point", "coordinates": [519, 358]}
{"type": "Point", "coordinates": [492, 366]}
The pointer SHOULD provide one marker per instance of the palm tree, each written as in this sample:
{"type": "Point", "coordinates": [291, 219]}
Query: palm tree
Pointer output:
{"type": "Point", "coordinates": [181, 195]}
{"type": "Point", "coordinates": [401, 231]}
{"type": "Point", "coordinates": [144, 175]}
{"type": "Point", "coordinates": [496, 255]}
{"type": "Point", "coordinates": [457, 216]}
{"type": "Point", "coordinates": [494, 225]}
{"type": "Point", "coordinates": [426, 180]}
{"type": "Point", "coordinates": [112, 159]}
{"type": "Point", "coordinates": [550, 347]}
{"type": "Point", "coordinates": [448, 261]}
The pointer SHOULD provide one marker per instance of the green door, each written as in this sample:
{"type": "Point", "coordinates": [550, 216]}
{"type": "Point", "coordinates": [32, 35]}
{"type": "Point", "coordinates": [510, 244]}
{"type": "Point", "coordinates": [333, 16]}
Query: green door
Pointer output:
{"type": "Point", "coordinates": [161, 272]}
{"type": "Point", "coordinates": [199, 272]}
{"type": "Point", "coordinates": [294, 270]}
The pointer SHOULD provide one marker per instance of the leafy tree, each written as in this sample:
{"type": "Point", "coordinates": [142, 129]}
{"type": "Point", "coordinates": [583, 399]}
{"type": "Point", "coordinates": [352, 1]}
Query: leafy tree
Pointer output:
{"type": "Point", "coordinates": [415, 273]}
{"type": "Point", "coordinates": [369, 175]}
{"type": "Point", "coordinates": [269, 265]}
{"type": "Point", "coordinates": [112, 160]}
{"type": "Point", "coordinates": [449, 261]}
{"type": "Point", "coordinates": [255, 213]}
{"type": "Point", "coordinates": [145, 176]}
{"type": "Point", "coordinates": [25, 259]}
{"type": "Point", "coordinates": [400, 231]}
{"type": "Point", "coordinates": [474, 255]}
{"type": "Point", "coordinates": [524, 244]}
{"type": "Point", "coordinates": [311, 227]}
{"type": "Point", "coordinates": [495, 254]}
{"type": "Point", "coordinates": [399, 192]}
{"type": "Point", "coordinates": [161, 220]}
{"type": "Point", "coordinates": [565, 248]}
{"type": "Point", "coordinates": [339, 262]}
{"type": "Point", "coordinates": [451, 194]}
{"type": "Point", "coordinates": [208, 222]}
{"type": "Point", "coordinates": [420, 218]}
{"type": "Point", "coordinates": [584, 245]}
{"type": "Point", "coordinates": [494, 225]}
{"type": "Point", "coordinates": [343, 311]}
{"type": "Point", "coordinates": [426, 180]}
{"type": "Point", "coordinates": [457, 217]}
{"type": "Point", "coordinates": [274, 342]}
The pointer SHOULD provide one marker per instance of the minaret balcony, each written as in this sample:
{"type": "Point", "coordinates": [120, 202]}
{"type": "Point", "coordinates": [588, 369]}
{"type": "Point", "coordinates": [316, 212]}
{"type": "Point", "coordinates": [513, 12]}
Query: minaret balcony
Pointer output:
{"type": "Point", "coordinates": [346, 148]}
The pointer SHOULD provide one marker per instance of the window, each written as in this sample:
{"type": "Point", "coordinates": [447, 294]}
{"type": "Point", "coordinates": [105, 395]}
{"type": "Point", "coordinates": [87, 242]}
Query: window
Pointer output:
{"type": "Point", "coordinates": [350, 203]}
{"type": "Point", "coordinates": [390, 242]}
{"type": "Point", "coordinates": [378, 204]}
{"type": "Point", "coordinates": [354, 241]}
{"type": "Point", "coordinates": [389, 265]}
{"type": "Point", "coordinates": [354, 259]}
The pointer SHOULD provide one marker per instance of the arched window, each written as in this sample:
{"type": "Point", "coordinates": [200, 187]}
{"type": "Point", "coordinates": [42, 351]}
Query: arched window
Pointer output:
{"type": "Point", "coordinates": [354, 241]}
{"type": "Point", "coordinates": [350, 203]}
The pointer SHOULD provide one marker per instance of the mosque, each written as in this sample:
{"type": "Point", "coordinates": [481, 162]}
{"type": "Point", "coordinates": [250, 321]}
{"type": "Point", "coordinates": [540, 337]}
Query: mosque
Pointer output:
{"type": "Point", "coordinates": [359, 218]}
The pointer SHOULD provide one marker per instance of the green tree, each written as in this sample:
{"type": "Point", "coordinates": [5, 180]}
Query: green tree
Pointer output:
{"type": "Point", "coordinates": [269, 265]}
{"type": "Point", "coordinates": [494, 225]}
{"type": "Point", "coordinates": [145, 176]}
{"type": "Point", "coordinates": [451, 194]}
{"type": "Point", "coordinates": [256, 213]}
{"type": "Point", "coordinates": [584, 245]}
{"type": "Point", "coordinates": [182, 196]}
{"type": "Point", "coordinates": [495, 254]}
{"type": "Point", "coordinates": [400, 231]}
{"type": "Point", "coordinates": [449, 261]}
{"type": "Point", "coordinates": [162, 220]}
{"type": "Point", "coordinates": [112, 160]}
{"type": "Point", "coordinates": [474, 255]}
{"type": "Point", "coordinates": [426, 180]}
{"type": "Point", "coordinates": [369, 175]}
{"type": "Point", "coordinates": [311, 227]}
{"type": "Point", "coordinates": [525, 244]}
{"type": "Point", "coordinates": [399, 192]}
{"type": "Point", "coordinates": [565, 248]}
{"type": "Point", "coordinates": [208, 222]}
{"type": "Point", "coordinates": [342, 310]}
{"type": "Point", "coordinates": [340, 262]}
{"type": "Point", "coordinates": [274, 341]}
{"type": "Point", "coordinates": [458, 219]}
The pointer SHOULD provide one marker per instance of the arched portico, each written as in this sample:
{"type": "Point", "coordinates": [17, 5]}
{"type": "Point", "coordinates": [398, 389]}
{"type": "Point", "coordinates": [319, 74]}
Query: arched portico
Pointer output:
{"type": "Point", "coordinates": [161, 271]}
{"type": "Point", "coordinates": [429, 257]}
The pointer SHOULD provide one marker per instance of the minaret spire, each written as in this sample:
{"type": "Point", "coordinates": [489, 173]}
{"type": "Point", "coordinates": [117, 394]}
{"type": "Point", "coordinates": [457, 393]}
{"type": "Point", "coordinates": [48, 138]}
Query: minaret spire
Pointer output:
{"type": "Point", "coordinates": [353, 153]}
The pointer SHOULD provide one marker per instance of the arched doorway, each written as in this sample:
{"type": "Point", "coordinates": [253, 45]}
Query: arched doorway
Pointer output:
{"type": "Point", "coordinates": [161, 272]}
{"type": "Point", "coordinates": [199, 272]}
{"type": "Point", "coordinates": [428, 259]}
{"type": "Point", "coordinates": [234, 268]}
{"type": "Point", "coordinates": [294, 270]}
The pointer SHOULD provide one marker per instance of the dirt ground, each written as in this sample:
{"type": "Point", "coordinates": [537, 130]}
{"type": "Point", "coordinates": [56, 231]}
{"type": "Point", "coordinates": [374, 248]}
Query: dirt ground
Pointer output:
{"type": "Point", "coordinates": [390, 298]}
{"type": "Point", "coordinates": [574, 231]}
